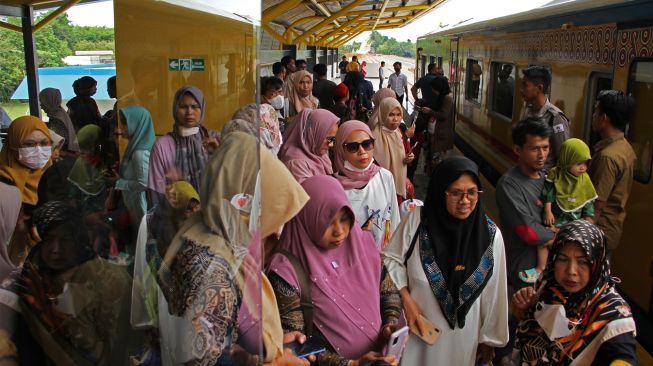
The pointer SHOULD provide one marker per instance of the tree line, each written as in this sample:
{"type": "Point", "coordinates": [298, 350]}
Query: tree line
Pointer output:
{"type": "Point", "coordinates": [55, 41]}
{"type": "Point", "coordinates": [383, 45]}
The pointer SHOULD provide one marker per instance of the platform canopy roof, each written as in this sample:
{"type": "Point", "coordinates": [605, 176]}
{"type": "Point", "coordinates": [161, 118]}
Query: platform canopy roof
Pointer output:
{"type": "Point", "coordinates": [332, 23]}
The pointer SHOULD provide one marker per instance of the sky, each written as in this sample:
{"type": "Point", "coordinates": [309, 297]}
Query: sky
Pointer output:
{"type": "Point", "coordinates": [451, 12]}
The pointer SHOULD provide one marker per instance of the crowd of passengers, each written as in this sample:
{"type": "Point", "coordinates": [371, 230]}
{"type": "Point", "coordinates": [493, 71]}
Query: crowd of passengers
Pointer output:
{"type": "Point", "coordinates": [298, 220]}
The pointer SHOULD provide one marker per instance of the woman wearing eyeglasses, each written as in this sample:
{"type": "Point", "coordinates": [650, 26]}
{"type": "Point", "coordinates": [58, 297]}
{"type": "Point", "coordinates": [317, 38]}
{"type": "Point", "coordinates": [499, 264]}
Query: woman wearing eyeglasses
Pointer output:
{"type": "Point", "coordinates": [447, 259]}
{"type": "Point", "coordinates": [306, 143]}
{"type": "Point", "coordinates": [369, 188]}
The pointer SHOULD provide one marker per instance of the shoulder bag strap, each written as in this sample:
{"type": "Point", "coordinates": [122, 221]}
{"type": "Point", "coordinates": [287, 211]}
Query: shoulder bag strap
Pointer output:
{"type": "Point", "coordinates": [305, 288]}
{"type": "Point", "coordinates": [412, 245]}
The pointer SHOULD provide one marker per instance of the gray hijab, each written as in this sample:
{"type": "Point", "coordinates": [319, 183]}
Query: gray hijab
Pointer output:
{"type": "Point", "coordinates": [10, 205]}
{"type": "Point", "coordinates": [50, 99]}
{"type": "Point", "coordinates": [190, 156]}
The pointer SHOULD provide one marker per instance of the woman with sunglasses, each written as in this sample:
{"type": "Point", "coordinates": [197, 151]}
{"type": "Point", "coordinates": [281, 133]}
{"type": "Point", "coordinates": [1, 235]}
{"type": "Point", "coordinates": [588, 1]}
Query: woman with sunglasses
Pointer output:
{"type": "Point", "coordinates": [447, 259]}
{"type": "Point", "coordinates": [306, 143]}
{"type": "Point", "coordinates": [389, 146]}
{"type": "Point", "coordinates": [370, 189]}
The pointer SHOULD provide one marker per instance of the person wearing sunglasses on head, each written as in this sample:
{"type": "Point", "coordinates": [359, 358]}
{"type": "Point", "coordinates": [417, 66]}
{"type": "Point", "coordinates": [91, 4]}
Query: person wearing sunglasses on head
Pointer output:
{"type": "Point", "coordinates": [370, 188]}
{"type": "Point", "coordinates": [306, 144]}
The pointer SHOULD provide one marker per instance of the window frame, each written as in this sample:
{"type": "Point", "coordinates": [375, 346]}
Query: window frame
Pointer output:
{"type": "Point", "coordinates": [628, 133]}
{"type": "Point", "coordinates": [493, 88]}
{"type": "Point", "coordinates": [468, 81]}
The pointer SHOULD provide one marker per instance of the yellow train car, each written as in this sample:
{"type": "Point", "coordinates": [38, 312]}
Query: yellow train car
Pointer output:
{"type": "Point", "coordinates": [588, 45]}
{"type": "Point", "coordinates": [163, 45]}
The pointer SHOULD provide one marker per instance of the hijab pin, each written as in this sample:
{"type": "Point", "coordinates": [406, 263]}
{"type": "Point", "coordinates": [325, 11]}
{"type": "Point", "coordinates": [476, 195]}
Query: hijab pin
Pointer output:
{"type": "Point", "coordinates": [334, 264]}
{"type": "Point", "coordinates": [460, 267]}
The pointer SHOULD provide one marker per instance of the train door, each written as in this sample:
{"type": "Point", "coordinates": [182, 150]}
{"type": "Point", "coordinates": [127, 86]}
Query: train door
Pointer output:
{"type": "Point", "coordinates": [597, 81]}
{"type": "Point", "coordinates": [454, 73]}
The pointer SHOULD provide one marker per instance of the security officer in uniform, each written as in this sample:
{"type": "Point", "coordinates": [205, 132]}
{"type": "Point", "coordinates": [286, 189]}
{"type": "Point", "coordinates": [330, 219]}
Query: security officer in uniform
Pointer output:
{"type": "Point", "coordinates": [534, 85]}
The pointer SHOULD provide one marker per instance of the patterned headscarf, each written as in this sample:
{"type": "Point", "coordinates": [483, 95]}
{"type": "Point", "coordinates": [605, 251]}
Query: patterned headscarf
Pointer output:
{"type": "Point", "coordinates": [591, 312]}
{"type": "Point", "coordinates": [266, 131]}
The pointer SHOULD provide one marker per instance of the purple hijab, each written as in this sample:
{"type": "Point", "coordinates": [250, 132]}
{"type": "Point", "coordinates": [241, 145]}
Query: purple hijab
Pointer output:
{"type": "Point", "coordinates": [348, 178]}
{"type": "Point", "coordinates": [346, 298]}
{"type": "Point", "coordinates": [302, 141]}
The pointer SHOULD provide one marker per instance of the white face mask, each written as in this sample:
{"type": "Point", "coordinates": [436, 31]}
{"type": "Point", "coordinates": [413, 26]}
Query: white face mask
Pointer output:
{"type": "Point", "coordinates": [277, 102]}
{"type": "Point", "coordinates": [349, 166]}
{"type": "Point", "coordinates": [34, 157]}
{"type": "Point", "coordinates": [188, 131]}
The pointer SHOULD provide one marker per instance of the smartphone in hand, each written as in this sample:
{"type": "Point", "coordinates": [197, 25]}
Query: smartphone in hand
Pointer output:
{"type": "Point", "coordinates": [312, 346]}
{"type": "Point", "coordinates": [396, 343]}
{"type": "Point", "coordinates": [431, 334]}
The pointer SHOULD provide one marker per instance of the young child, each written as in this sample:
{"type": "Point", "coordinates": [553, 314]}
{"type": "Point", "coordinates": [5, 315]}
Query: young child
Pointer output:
{"type": "Point", "coordinates": [568, 195]}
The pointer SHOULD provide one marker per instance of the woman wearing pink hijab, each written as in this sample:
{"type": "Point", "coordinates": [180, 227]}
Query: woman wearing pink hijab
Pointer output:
{"type": "Point", "coordinates": [300, 94]}
{"type": "Point", "coordinates": [306, 143]}
{"type": "Point", "coordinates": [369, 188]}
{"type": "Point", "coordinates": [355, 309]}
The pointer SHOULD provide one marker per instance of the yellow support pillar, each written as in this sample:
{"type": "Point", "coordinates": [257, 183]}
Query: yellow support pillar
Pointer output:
{"type": "Point", "coordinates": [347, 39]}
{"type": "Point", "coordinates": [385, 4]}
{"type": "Point", "coordinates": [393, 10]}
{"type": "Point", "coordinates": [345, 35]}
{"type": "Point", "coordinates": [45, 21]}
{"type": "Point", "coordinates": [298, 22]}
{"type": "Point", "coordinates": [277, 10]}
{"type": "Point", "coordinates": [10, 26]}
{"type": "Point", "coordinates": [273, 33]}
{"type": "Point", "coordinates": [344, 11]}
{"type": "Point", "coordinates": [432, 6]}
{"type": "Point", "coordinates": [343, 27]}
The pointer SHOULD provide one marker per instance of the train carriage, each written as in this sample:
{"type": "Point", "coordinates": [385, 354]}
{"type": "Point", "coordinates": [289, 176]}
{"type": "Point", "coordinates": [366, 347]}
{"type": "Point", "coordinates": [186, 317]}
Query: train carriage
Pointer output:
{"type": "Point", "coordinates": [588, 46]}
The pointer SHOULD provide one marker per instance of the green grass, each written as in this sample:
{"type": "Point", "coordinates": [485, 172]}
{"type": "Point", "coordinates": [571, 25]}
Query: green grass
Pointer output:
{"type": "Point", "coordinates": [15, 109]}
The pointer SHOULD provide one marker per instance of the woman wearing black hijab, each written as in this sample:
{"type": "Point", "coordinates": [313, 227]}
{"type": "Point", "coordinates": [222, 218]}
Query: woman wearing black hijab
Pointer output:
{"type": "Point", "coordinates": [448, 257]}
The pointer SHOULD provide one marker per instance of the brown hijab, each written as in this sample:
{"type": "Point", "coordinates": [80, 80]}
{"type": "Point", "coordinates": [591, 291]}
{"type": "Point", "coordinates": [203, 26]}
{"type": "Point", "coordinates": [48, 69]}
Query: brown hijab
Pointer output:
{"type": "Point", "coordinates": [388, 147]}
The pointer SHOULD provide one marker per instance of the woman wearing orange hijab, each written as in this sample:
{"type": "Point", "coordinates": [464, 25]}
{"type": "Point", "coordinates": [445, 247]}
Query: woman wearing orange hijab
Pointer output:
{"type": "Point", "coordinates": [26, 156]}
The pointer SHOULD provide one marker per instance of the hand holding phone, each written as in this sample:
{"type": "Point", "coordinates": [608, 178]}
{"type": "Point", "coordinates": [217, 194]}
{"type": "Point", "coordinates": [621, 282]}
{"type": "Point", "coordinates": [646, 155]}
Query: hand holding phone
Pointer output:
{"type": "Point", "coordinates": [425, 330]}
{"type": "Point", "coordinates": [396, 343]}
{"type": "Point", "coordinates": [312, 346]}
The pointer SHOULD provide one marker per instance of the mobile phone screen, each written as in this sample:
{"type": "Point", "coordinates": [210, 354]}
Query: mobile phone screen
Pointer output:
{"type": "Point", "coordinates": [312, 346]}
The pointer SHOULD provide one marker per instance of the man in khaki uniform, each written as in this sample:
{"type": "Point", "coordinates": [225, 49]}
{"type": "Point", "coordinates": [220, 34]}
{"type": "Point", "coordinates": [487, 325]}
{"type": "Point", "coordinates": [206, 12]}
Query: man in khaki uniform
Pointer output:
{"type": "Point", "coordinates": [612, 165]}
{"type": "Point", "coordinates": [534, 85]}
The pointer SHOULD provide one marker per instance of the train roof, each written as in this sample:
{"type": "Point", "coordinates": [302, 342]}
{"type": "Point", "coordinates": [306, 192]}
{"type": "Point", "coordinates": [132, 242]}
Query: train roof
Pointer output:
{"type": "Point", "coordinates": [555, 13]}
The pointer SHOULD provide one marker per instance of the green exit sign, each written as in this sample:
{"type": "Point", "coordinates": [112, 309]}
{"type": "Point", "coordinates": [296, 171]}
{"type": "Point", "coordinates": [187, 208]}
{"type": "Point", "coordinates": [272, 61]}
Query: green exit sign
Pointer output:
{"type": "Point", "coordinates": [186, 64]}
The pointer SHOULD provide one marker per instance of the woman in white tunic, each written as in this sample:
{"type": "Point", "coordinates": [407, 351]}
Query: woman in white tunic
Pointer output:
{"type": "Point", "coordinates": [454, 274]}
{"type": "Point", "coordinates": [369, 188]}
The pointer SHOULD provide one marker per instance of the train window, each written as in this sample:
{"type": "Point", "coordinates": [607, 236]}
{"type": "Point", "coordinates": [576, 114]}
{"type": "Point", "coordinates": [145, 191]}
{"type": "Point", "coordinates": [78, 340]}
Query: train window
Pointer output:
{"type": "Point", "coordinates": [474, 80]}
{"type": "Point", "coordinates": [503, 89]}
{"type": "Point", "coordinates": [598, 81]}
{"type": "Point", "coordinates": [640, 131]}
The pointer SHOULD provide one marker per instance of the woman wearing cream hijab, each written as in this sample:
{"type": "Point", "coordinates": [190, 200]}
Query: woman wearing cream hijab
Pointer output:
{"type": "Point", "coordinates": [388, 146]}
